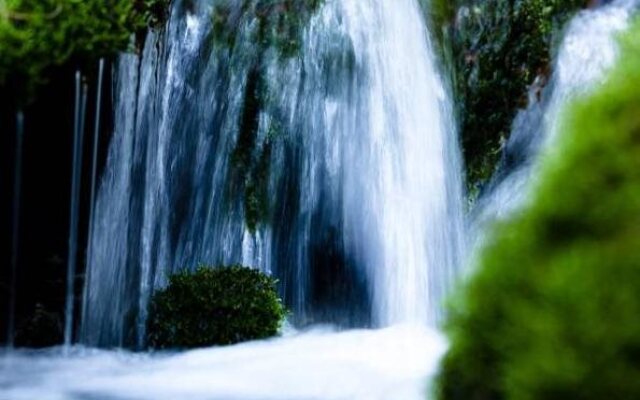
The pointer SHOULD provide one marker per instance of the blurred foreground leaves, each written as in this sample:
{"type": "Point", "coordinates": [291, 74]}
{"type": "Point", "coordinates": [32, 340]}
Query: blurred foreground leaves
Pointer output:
{"type": "Point", "coordinates": [553, 311]}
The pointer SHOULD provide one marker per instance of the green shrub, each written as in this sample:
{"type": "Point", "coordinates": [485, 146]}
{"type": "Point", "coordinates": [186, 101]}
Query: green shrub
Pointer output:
{"type": "Point", "coordinates": [553, 311]}
{"type": "Point", "coordinates": [214, 306]}
{"type": "Point", "coordinates": [36, 35]}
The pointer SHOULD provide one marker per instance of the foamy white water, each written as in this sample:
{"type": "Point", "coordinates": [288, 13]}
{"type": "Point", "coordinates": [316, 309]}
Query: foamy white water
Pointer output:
{"type": "Point", "coordinates": [393, 363]}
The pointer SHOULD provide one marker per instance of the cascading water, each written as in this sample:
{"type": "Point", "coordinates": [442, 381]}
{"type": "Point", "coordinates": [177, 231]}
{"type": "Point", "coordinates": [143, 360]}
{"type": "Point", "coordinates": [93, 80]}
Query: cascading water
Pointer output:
{"type": "Point", "coordinates": [15, 226]}
{"type": "Point", "coordinates": [587, 51]}
{"type": "Point", "coordinates": [349, 150]}
{"type": "Point", "coordinates": [351, 129]}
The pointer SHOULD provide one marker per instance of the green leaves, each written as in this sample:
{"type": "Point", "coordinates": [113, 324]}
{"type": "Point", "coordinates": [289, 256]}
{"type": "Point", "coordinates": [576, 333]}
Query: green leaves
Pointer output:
{"type": "Point", "coordinates": [214, 306]}
{"type": "Point", "coordinates": [36, 35]}
{"type": "Point", "coordinates": [552, 312]}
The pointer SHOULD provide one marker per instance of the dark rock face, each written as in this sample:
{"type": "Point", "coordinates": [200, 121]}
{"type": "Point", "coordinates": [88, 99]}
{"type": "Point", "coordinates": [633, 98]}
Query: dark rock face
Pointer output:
{"type": "Point", "coordinates": [498, 49]}
{"type": "Point", "coordinates": [41, 329]}
{"type": "Point", "coordinates": [45, 194]}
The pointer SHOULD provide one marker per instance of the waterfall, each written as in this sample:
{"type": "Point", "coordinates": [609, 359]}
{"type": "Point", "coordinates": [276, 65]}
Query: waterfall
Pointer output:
{"type": "Point", "coordinates": [344, 181]}
{"type": "Point", "coordinates": [587, 51]}
{"type": "Point", "coordinates": [15, 227]}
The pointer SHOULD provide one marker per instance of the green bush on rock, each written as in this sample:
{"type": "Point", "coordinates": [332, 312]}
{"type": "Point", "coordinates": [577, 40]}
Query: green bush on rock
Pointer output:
{"type": "Point", "coordinates": [552, 313]}
{"type": "Point", "coordinates": [214, 306]}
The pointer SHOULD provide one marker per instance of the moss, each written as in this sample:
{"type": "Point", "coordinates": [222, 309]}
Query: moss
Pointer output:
{"type": "Point", "coordinates": [37, 35]}
{"type": "Point", "coordinates": [498, 48]}
{"type": "Point", "coordinates": [251, 160]}
{"type": "Point", "coordinates": [256, 189]}
{"type": "Point", "coordinates": [152, 13]}
{"type": "Point", "coordinates": [552, 312]}
{"type": "Point", "coordinates": [442, 15]}
{"type": "Point", "coordinates": [280, 26]}
{"type": "Point", "coordinates": [280, 22]}
{"type": "Point", "coordinates": [216, 306]}
{"type": "Point", "coordinates": [249, 122]}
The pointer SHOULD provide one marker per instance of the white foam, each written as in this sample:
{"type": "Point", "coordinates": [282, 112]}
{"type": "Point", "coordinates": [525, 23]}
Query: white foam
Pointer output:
{"type": "Point", "coordinates": [392, 363]}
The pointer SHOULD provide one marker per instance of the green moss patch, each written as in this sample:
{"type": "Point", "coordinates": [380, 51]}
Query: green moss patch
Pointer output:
{"type": "Point", "coordinates": [280, 22]}
{"type": "Point", "coordinates": [276, 25]}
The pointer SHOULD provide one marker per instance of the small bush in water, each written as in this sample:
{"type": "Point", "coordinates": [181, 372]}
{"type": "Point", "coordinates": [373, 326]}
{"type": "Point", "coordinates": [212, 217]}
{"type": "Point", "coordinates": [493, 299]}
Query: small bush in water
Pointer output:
{"type": "Point", "coordinates": [553, 313]}
{"type": "Point", "coordinates": [214, 306]}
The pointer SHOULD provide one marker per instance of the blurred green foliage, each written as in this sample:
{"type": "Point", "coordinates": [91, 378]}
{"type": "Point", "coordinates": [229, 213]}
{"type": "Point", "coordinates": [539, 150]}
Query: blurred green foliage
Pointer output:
{"type": "Point", "coordinates": [497, 49]}
{"type": "Point", "coordinates": [214, 306]}
{"type": "Point", "coordinates": [36, 35]}
{"type": "Point", "coordinates": [552, 313]}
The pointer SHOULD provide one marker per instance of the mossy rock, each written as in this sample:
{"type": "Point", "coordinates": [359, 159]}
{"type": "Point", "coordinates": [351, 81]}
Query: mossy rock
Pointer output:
{"type": "Point", "coordinates": [214, 306]}
{"type": "Point", "coordinates": [280, 22]}
{"type": "Point", "coordinates": [552, 312]}
{"type": "Point", "coordinates": [497, 49]}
